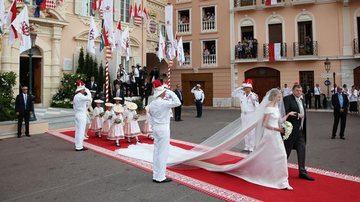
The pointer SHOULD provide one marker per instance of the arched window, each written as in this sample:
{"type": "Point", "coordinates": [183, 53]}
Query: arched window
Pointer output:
{"type": "Point", "coordinates": [247, 29]}
{"type": "Point", "coordinates": [305, 37]}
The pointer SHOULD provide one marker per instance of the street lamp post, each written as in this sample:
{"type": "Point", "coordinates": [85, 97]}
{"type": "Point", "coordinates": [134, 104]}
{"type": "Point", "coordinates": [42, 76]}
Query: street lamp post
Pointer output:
{"type": "Point", "coordinates": [33, 36]}
{"type": "Point", "coordinates": [327, 65]}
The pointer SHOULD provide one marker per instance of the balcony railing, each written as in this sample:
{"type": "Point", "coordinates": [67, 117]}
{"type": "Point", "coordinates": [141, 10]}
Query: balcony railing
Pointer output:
{"type": "Point", "coordinates": [356, 47]}
{"type": "Point", "coordinates": [208, 25]}
{"type": "Point", "coordinates": [306, 48]}
{"type": "Point", "coordinates": [184, 28]}
{"type": "Point", "coordinates": [180, 1]}
{"type": "Point", "coordinates": [209, 59]}
{"type": "Point", "coordinates": [299, 2]}
{"type": "Point", "coordinates": [283, 50]}
{"type": "Point", "coordinates": [187, 60]}
{"type": "Point", "coordinates": [246, 50]}
{"type": "Point", "coordinates": [244, 3]}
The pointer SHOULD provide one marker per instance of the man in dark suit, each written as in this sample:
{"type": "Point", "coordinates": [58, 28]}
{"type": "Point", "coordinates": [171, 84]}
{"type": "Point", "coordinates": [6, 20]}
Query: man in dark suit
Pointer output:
{"type": "Point", "coordinates": [147, 88]}
{"type": "Point", "coordinates": [177, 110]}
{"type": "Point", "coordinates": [340, 103]}
{"type": "Point", "coordinates": [297, 139]}
{"type": "Point", "coordinates": [23, 109]}
{"type": "Point", "coordinates": [93, 87]}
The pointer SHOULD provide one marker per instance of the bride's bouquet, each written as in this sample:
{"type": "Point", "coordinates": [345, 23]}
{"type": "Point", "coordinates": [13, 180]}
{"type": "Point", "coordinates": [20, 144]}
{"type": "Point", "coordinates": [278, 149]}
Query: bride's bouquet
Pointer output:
{"type": "Point", "coordinates": [288, 127]}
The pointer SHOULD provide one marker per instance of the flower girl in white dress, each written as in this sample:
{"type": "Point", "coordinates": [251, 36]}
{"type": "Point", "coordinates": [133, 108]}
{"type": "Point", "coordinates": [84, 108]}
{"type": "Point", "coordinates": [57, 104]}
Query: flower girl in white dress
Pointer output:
{"type": "Point", "coordinates": [109, 113]}
{"type": "Point", "coordinates": [97, 119]}
{"type": "Point", "coordinates": [132, 128]}
{"type": "Point", "coordinates": [147, 128]}
{"type": "Point", "coordinates": [117, 128]}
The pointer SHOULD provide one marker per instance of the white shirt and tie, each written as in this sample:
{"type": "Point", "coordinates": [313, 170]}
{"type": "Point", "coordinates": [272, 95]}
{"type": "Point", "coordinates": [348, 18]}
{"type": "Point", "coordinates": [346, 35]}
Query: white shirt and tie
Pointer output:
{"type": "Point", "coordinates": [25, 99]}
{"type": "Point", "coordinates": [317, 91]}
{"type": "Point", "coordinates": [301, 108]}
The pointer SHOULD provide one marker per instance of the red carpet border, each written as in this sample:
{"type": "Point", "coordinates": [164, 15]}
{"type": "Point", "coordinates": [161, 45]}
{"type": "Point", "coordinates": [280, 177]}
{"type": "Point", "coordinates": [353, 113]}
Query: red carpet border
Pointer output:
{"type": "Point", "coordinates": [329, 186]}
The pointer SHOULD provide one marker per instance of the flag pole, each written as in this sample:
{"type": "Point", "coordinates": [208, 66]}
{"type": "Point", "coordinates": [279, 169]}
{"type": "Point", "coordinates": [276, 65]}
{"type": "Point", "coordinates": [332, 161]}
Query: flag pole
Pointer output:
{"type": "Point", "coordinates": [108, 58]}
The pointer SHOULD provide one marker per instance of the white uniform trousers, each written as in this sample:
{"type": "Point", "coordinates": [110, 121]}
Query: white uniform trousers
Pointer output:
{"type": "Point", "coordinates": [249, 138]}
{"type": "Point", "coordinates": [80, 125]}
{"type": "Point", "coordinates": [161, 150]}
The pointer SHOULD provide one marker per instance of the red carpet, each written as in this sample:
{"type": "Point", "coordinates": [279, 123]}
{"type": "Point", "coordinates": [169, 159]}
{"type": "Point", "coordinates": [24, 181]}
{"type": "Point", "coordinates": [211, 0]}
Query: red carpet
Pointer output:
{"type": "Point", "coordinates": [329, 186]}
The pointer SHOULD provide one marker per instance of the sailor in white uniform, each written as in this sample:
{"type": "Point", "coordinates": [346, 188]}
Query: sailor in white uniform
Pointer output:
{"type": "Point", "coordinates": [248, 103]}
{"type": "Point", "coordinates": [80, 101]}
{"type": "Point", "coordinates": [159, 111]}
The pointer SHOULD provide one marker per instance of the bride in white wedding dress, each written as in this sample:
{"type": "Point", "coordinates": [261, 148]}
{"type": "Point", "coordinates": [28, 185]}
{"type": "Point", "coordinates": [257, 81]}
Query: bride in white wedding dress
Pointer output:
{"type": "Point", "coordinates": [265, 166]}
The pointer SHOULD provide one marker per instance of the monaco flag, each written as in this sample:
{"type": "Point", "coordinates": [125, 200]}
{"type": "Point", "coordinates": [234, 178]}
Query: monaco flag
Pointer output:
{"type": "Point", "coordinates": [270, 2]}
{"type": "Point", "coordinates": [22, 26]}
{"type": "Point", "coordinates": [274, 51]}
{"type": "Point", "coordinates": [93, 34]}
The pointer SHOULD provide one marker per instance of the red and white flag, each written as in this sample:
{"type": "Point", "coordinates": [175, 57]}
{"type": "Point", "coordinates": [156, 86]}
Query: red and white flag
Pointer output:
{"type": "Point", "coordinates": [180, 52]}
{"type": "Point", "coordinates": [22, 26]}
{"type": "Point", "coordinates": [169, 31]}
{"type": "Point", "coordinates": [274, 51]}
{"type": "Point", "coordinates": [118, 37]}
{"type": "Point", "coordinates": [93, 34]}
{"type": "Point", "coordinates": [161, 50]}
{"type": "Point", "coordinates": [107, 8]}
{"type": "Point", "coordinates": [125, 43]}
{"type": "Point", "coordinates": [10, 18]}
{"type": "Point", "coordinates": [270, 2]}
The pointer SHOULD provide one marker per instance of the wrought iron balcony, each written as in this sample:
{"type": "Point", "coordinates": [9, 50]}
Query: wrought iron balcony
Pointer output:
{"type": "Point", "coordinates": [246, 51]}
{"type": "Point", "coordinates": [244, 4]}
{"type": "Point", "coordinates": [278, 3]}
{"type": "Point", "coordinates": [356, 46]}
{"type": "Point", "coordinates": [283, 50]}
{"type": "Point", "coordinates": [305, 48]}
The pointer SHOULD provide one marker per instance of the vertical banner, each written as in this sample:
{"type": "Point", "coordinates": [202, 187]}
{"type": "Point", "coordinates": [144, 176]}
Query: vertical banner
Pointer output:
{"type": "Point", "coordinates": [169, 31]}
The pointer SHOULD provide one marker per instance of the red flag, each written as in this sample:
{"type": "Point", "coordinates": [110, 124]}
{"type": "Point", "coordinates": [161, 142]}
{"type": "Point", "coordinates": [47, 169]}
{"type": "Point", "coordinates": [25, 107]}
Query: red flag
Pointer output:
{"type": "Point", "coordinates": [271, 52]}
{"type": "Point", "coordinates": [95, 5]}
{"type": "Point", "coordinates": [43, 5]}
{"type": "Point", "coordinates": [12, 15]}
{"type": "Point", "coordinates": [131, 11]}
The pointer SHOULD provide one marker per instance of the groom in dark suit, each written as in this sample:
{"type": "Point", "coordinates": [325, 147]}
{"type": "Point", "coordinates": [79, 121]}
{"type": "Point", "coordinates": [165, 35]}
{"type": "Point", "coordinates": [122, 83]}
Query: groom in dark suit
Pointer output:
{"type": "Point", "coordinates": [340, 103]}
{"type": "Point", "coordinates": [23, 110]}
{"type": "Point", "coordinates": [297, 138]}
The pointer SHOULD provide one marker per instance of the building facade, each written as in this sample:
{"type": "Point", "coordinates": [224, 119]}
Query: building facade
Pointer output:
{"type": "Point", "coordinates": [205, 29]}
{"type": "Point", "coordinates": [305, 33]}
{"type": "Point", "coordinates": [63, 31]}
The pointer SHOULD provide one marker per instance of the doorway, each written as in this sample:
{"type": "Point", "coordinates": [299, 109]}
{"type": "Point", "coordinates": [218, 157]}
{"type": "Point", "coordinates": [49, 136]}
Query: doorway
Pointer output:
{"type": "Point", "coordinates": [36, 73]}
{"type": "Point", "coordinates": [188, 81]}
{"type": "Point", "coordinates": [357, 76]}
{"type": "Point", "coordinates": [261, 76]}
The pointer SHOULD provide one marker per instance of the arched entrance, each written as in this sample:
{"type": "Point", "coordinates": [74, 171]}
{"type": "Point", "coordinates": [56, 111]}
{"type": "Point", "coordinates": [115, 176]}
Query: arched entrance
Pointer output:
{"type": "Point", "coordinates": [36, 72]}
{"type": "Point", "coordinates": [357, 76]}
{"type": "Point", "coordinates": [152, 60]}
{"type": "Point", "coordinates": [264, 79]}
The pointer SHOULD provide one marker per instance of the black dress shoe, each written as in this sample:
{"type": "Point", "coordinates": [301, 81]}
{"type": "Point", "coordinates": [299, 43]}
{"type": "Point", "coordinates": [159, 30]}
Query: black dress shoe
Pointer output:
{"type": "Point", "coordinates": [19, 136]}
{"type": "Point", "coordinates": [164, 181]}
{"type": "Point", "coordinates": [343, 138]}
{"type": "Point", "coordinates": [332, 137]}
{"type": "Point", "coordinates": [28, 135]}
{"type": "Point", "coordinates": [306, 177]}
{"type": "Point", "coordinates": [83, 149]}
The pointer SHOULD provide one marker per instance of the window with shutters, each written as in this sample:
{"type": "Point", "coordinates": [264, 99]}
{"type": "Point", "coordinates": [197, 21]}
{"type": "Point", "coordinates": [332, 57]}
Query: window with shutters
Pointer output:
{"type": "Point", "coordinates": [124, 10]}
{"type": "Point", "coordinates": [84, 7]}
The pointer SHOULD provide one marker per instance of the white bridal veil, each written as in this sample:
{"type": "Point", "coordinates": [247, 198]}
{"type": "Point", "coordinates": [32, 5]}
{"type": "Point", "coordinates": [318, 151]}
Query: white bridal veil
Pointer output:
{"type": "Point", "coordinates": [218, 146]}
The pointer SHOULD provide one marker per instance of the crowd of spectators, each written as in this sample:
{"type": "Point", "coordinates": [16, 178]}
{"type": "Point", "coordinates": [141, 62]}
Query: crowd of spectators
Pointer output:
{"type": "Point", "coordinates": [247, 48]}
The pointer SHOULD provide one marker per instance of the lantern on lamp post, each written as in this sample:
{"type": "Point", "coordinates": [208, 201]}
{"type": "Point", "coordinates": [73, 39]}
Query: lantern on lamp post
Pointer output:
{"type": "Point", "coordinates": [327, 65]}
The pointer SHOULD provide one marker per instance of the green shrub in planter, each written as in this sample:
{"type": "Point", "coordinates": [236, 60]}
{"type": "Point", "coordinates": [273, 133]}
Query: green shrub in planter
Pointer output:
{"type": "Point", "coordinates": [63, 98]}
{"type": "Point", "coordinates": [7, 107]}
{"type": "Point", "coordinates": [140, 105]}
